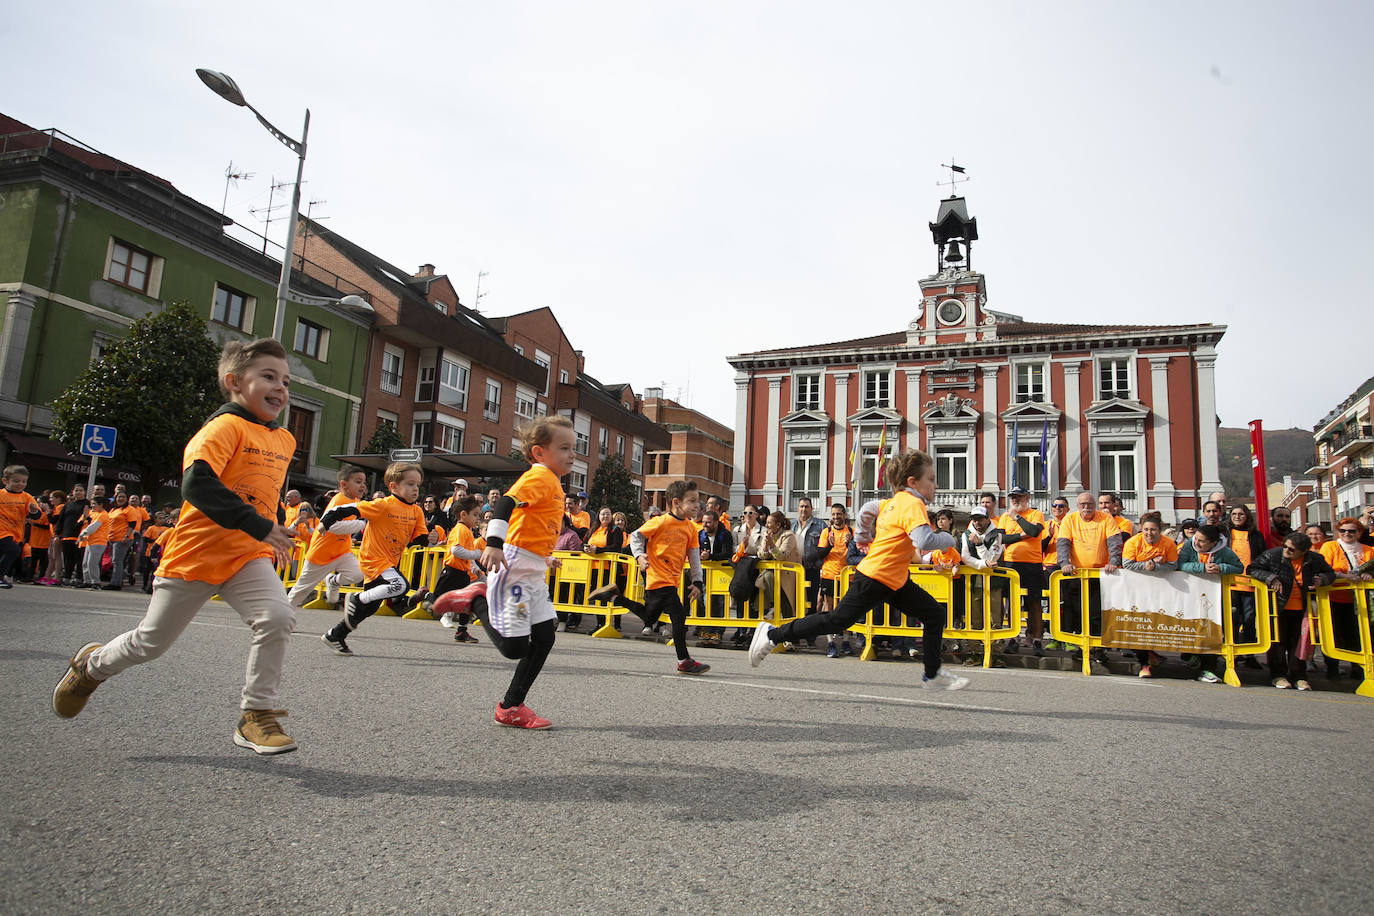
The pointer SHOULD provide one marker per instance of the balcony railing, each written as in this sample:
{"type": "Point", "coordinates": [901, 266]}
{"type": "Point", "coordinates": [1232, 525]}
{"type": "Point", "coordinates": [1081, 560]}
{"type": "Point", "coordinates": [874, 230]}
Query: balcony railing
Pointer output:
{"type": "Point", "coordinates": [391, 382]}
{"type": "Point", "coordinates": [491, 410]}
{"type": "Point", "coordinates": [1352, 439]}
{"type": "Point", "coordinates": [1352, 474]}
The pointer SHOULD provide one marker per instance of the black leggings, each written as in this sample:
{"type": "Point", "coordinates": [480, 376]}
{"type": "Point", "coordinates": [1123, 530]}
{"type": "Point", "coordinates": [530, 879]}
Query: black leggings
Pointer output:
{"type": "Point", "coordinates": [531, 650]}
{"type": "Point", "coordinates": [71, 560]}
{"type": "Point", "coordinates": [864, 595]}
{"type": "Point", "coordinates": [659, 601]}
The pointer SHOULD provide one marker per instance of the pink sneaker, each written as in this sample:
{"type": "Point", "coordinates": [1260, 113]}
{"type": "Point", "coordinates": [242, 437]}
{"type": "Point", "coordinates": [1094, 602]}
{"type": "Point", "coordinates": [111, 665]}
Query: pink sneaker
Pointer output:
{"type": "Point", "coordinates": [519, 717]}
{"type": "Point", "coordinates": [458, 602]}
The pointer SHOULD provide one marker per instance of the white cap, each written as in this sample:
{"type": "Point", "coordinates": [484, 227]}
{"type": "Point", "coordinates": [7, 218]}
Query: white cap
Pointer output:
{"type": "Point", "coordinates": [978, 510]}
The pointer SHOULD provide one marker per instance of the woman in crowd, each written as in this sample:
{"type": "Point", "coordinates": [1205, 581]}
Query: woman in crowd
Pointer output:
{"type": "Point", "coordinates": [779, 543]}
{"type": "Point", "coordinates": [1290, 570]}
{"type": "Point", "coordinates": [1346, 555]}
{"type": "Point", "coordinates": [748, 541]}
{"type": "Point", "coordinates": [1149, 551]}
{"type": "Point", "coordinates": [1247, 543]}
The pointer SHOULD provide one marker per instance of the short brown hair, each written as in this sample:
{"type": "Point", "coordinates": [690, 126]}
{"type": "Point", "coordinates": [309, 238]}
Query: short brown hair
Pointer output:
{"type": "Point", "coordinates": [540, 431]}
{"type": "Point", "coordinates": [348, 470]}
{"type": "Point", "coordinates": [238, 356]}
{"type": "Point", "coordinates": [11, 470]}
{"type": "Point", "coordinates": [678, 489]}
{"type": "Point", "coordinates": [910, 463]}
{"type": "Point", "coordinates": [399, 469]}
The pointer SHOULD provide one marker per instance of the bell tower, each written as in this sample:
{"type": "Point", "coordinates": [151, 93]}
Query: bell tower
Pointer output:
{"type": "Point", "coordinates": [953, 297]}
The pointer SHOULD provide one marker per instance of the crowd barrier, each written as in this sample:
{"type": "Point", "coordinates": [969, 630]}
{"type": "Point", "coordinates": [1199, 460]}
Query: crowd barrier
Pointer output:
{"type": "Point", "coordinates": [579, 574]}
{"type": "Point", "coordinates": [1231, 647]}
{"type": "Point", "coordinates": [1336, 622]}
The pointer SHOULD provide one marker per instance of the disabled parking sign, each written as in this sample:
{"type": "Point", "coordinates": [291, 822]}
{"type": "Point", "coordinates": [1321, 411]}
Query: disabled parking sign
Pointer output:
{"type": "Point", "coordinates": [98, 441]}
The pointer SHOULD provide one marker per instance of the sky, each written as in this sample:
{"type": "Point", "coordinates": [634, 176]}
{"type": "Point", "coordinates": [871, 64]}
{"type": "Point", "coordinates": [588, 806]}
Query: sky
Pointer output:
{"type": "Point", "coordinates": [681, 181]}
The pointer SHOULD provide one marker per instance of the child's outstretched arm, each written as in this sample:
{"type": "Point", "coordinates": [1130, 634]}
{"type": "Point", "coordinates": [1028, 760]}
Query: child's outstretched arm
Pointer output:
{"type": "Point", "coordinates": [203, 489]}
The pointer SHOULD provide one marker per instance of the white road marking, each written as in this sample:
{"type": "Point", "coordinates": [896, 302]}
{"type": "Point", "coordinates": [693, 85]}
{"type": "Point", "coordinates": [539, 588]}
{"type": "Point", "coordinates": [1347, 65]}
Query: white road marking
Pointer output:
{"type": "Point", "coordinates": [830, 693]}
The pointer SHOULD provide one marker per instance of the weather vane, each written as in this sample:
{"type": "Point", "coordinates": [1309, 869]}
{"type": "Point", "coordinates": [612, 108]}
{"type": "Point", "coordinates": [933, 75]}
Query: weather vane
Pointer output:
{"type": "Point", "coordinates": [954, 172]}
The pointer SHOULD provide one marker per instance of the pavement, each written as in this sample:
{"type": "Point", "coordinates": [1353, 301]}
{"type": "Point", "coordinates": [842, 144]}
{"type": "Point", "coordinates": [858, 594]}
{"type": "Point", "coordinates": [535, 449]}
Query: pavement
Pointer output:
{"type": "Point", "coordinates": [806, 785]}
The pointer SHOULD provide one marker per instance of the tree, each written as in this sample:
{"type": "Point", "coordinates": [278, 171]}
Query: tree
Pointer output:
{"type": "Point", "coordinates": [157, 386]}
{"type": "Point", "coordinates": [613, 487]}
{"type": "Point", "coordinates": [384, 439]}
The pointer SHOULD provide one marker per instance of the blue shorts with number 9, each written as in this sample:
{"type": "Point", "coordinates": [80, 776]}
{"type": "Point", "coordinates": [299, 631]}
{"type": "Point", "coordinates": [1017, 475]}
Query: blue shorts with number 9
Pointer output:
{"type": "Point", "coordinates": [517, 595]}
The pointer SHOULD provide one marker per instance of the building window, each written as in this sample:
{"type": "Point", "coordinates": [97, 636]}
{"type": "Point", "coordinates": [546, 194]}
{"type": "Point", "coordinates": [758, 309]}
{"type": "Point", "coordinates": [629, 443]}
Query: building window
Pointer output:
{"type": "Point", "coordinates": [419, 436]}
{"type": "Point", "coordinates": [524, 405]}
{"type": "Point", "coordinates": [450, 437]}
{"type": "Point", "coordinates": [491, 401]}
{"type": "Point", "coordinates": [1030, 383]}
{"type": "Point", "coordinates": [583, 444]}
{"type": "Point", "coordinates": [311, 339]}
{"type": "Point", "coordinates": [1028, 467]}
{"type": "Point", "coordinates": [951, 468]}
{"type": "Point", "coordinates": [637, 458]}
{"type": "Point", "coordinates": [541, 359]}
{"type": "Point", "coordinates": [100, 345]}
{"type": "Point", "coordinates": [1116, 470]}
{"type": "Point", "coordinates": [877, 388]}
{"type": "Point", "coordinates": [603, 442]}
{"type": "Point", "coordinates": [808, 393]}
{"type": "Point", "coordinates": [392, 360]}
{"type": "Point", "coordinates": [130, 266]}
{"type": "Point", "coordinates": [620, 446]}
{"type": "Point", "coordinates": [424, 386]}
{"type": "Point", "coordinates": [806, 477]}
{"type": "Point", "coordinates": [1113, 378]}
{"type": "Point", "coordinates": [301, 424]}
{"type": "Point", "coordinates": [487, 445]}
{"type": "Point", "coordinates": [230, 308]}
{"type": "Point", "coordinates": [563, 376]}
{"type": "Point", "coordinates": [518, 349]}
{"type": "Point", "coordinates": [453, 385]}
{"type": "Point", "coordinates": [577, 481]}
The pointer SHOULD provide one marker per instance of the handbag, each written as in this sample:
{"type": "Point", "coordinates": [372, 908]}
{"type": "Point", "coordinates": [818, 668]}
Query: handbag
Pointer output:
{"type": "Point", "coordinates": [1304, 650]}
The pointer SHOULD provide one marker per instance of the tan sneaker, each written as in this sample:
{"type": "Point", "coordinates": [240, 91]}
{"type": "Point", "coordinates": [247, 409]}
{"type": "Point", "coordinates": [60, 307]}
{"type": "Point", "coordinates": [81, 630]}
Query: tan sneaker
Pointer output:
{"type": "Point", "coordinates": [71, 693]}
{"type": "Point", "coordinates": [260, 731]}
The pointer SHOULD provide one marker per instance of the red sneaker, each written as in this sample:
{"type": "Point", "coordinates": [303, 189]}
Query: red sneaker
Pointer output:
{"type": "Point", "coordinates": [458, 602]}
{"type": "Point", "coordinates": [520, 717]}
{"type": "Point", "coordinates": [692, 666]}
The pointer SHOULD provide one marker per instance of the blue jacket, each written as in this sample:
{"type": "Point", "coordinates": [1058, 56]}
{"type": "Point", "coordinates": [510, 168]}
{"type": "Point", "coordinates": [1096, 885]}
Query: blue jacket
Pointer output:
{"type": "Point", "coordinates": [1224, 557]}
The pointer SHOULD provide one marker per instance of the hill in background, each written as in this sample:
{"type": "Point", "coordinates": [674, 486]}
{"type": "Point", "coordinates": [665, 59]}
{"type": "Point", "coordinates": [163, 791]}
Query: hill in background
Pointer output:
{"type": "Point", "coordinates": [1286, 451]}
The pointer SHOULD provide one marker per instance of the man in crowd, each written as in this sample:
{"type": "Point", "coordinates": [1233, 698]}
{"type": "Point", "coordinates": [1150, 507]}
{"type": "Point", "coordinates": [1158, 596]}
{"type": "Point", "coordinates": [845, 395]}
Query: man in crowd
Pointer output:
{"type": "Point", "coordinates": [1215, 515]}
{"type": "Point", "coordinates": [807, 529]}
{"type": "Point", "coordinates": [1023, 529]}
{"type": "Point", "coordinates": [1280, 526]}
{"type": "Point", "coordinates": [1087, 539]}
{"type": "Point", "coordinates": [717, 543]}
{"type": "Point", "coordinates": [1110, 504]}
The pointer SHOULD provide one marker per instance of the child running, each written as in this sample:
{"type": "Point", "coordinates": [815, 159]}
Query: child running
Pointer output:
{"type": "Point", "coordinates": [462, 551]}
{"type": "Point", "coordinates": [513, 604]}
{"type": "Point", "coordinates": [659, 546]}
{"type": "Point", "coordinates": [16, 507]}
{"type": "Point", "coordinates": [895, 530]}
{"type": "Point", "coordinates": [228, 534]}
{"type": "Point", "coordinates": [389, 526]}
{"type": "Point", "coordinates": [329, 558]}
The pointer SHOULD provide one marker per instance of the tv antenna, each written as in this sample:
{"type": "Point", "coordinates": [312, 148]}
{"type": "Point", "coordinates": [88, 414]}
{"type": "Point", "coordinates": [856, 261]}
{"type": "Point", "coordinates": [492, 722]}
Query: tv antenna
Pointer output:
{"type": "Point", "coordinates": [232, 176]}
{"type": "Point", "coordinates": [309, 215]}
{"type": "Point", "coordinates": [477, 296]}
{"type": "Point", "coordinates": [954, 172]}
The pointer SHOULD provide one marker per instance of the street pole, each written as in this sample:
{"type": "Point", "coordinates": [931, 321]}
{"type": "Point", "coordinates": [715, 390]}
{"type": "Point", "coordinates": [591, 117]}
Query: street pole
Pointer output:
{"type": "Point", "coordinates": [284, 284]}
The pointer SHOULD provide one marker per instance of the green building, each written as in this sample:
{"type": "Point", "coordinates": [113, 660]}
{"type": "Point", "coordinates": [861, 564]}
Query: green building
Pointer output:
{"type": "Point", "coordinates": [88, 244]}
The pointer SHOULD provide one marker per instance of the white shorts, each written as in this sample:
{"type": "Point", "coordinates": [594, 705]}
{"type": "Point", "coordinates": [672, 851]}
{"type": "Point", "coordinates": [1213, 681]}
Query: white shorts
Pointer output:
{"type": "Point", "coordinates": [517, 594]}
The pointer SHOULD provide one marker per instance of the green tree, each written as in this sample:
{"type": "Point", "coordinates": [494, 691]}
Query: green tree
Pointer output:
{"type": "Point", "coordinates": [613, 487]}
{"type": "Point", "coordinates": [384, 439]}
{"type": "Point", "coordinates": [157, 386]}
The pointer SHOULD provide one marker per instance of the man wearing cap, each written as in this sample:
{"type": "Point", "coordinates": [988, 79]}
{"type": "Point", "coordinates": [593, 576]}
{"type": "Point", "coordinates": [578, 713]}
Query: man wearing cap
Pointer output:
{"type": "Point", "coordinates": [460, 492]}
{"type": "Point", "coordinates": [574, 506]}
{"type": "Point", "coordinates": [1023, 527]}
{"type": "Point", "coordinates": [1186, 529]}
{"type": "Point", "coordinates": [980, 547]}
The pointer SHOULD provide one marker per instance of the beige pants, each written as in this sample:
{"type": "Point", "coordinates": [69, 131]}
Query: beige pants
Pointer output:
{"type": "Point", "coordinates": [311, 575]}
{"type": "Point", "coordinates": [255, 591]}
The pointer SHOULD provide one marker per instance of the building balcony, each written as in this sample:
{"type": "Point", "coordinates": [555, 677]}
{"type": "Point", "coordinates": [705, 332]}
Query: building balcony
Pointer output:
{"type": "Point", "coordinates": [1351, 440]}
{"type": "Point", "coordinates": [1353, 474]}
{"type": "Point", "coordinates": [1318, 469]}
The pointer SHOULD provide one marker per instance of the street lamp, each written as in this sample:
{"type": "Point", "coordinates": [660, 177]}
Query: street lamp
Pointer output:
{"type": "Point", "coordinates": [225, 87]}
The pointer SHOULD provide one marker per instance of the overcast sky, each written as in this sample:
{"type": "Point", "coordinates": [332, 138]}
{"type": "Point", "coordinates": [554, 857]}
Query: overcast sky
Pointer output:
{"type": "Point", "coordinates": [684, 181]}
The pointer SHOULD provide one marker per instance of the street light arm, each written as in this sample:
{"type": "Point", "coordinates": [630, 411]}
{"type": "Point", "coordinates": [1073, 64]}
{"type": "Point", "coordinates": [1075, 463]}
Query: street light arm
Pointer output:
{"type": "Point", "coordinates": [295, 146]}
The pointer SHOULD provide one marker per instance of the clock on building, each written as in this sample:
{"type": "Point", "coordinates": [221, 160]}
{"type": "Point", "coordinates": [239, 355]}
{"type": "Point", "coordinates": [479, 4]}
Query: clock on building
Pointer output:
{"type": "Point", "coordinates": [951, 311]}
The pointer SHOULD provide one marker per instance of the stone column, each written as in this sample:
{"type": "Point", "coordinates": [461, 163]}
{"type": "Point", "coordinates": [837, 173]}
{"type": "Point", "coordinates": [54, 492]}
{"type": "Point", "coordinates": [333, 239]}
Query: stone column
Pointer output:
{"type": "Point", "coordinates": [770, 458]}
{"type": "Point", "coordinates": [14, 340]}
{"type": "Point", "coordinates": [1207, 418]}
{"type": "Point", "coordinates": [913, 407]}
{"type": "Point", "coordinates": [739, 489]}
{"type": "Point", "coordinates": [1073, 423]}
{"type": "Point", "coordinates": [839, 486]}
{"type": "Point", "coordinates": [990, 445]}
{"type": "Point", "coordinates": [1163, 490]}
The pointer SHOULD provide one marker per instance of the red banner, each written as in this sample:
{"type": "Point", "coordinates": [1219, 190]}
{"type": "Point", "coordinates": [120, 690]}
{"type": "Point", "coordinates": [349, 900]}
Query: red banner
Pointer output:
{"type": "Point", "coordinates": [1257, 467]}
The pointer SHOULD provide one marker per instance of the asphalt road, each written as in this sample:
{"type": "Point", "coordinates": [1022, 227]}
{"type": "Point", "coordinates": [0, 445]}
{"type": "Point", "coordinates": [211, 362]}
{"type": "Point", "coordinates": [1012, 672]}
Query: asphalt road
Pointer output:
{"type": "Point", "coordinates": [807, 785]}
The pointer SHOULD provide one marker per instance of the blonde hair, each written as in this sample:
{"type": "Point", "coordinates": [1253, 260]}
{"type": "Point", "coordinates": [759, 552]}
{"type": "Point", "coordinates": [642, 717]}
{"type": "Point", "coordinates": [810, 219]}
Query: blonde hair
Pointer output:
{"type": "Point", "coordinates": [397, 470]}
{"type": "Point", "coordinates": [13, 469]}
{"type": "Point", "coordinates": [910, 463]}
{"type": "Point", "coordinates": [540, 432]}
{"type": "Point", "coordinates": [238, 356]}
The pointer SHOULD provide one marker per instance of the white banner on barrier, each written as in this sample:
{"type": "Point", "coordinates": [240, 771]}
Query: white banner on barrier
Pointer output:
{"type": "Point", "coordinates": [1164, 611]}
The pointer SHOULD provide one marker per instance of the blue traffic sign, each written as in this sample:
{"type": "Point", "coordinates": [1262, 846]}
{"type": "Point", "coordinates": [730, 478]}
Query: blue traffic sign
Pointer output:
{"type": "Point", "coordinates": [98, 441]}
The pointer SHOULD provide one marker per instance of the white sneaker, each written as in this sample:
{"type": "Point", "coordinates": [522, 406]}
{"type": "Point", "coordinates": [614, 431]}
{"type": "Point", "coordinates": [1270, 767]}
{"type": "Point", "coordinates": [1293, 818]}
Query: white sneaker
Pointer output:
{"type": "Point", "coordinates": [944, 681]}
{"type": "Point", "coordinates": [331, 588]}
{"type": "Point", "coordinates": [1282, 683]}
{"type": "Point", "coordinates": [761, 645]}
{"type": "Point", "coordinates": [449, 620]}
{"type": "Point", "coordinates": [561, 628]}
{"type": "Point", "coordinates": [647, 631]}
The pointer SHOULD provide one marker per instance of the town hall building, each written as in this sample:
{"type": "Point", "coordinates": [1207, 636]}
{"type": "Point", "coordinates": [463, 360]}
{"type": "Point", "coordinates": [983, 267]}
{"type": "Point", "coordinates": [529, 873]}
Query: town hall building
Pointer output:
{"type": "Point", "coordinates": [997, 401]}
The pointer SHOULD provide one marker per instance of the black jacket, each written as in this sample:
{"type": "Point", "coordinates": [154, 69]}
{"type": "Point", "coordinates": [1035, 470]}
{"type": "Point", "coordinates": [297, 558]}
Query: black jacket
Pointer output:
{"type": "Point", "coordinates": [722, 545]}
{"type": "Point", "coordinates": [1271, 565]}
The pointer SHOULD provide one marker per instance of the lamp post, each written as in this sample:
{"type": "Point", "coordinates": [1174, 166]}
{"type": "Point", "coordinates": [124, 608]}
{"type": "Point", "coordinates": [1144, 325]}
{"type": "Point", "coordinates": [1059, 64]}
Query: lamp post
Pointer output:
{"type": "Point", "coordinates": [224, 86]}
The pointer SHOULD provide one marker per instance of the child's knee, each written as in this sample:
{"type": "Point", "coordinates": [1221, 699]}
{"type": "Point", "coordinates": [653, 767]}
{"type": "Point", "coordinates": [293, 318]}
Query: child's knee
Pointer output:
{"type": "Point", "coordinates": [514, 646]}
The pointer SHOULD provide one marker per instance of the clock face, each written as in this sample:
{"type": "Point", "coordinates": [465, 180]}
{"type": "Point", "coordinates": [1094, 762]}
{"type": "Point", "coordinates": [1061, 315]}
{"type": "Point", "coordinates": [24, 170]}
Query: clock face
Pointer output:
{"type": "Point", "coordinates": [950, 312]}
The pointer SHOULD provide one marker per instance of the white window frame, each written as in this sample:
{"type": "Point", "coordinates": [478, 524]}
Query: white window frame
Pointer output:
{"type": "Point", "coordinates": [487, 445]}
{"type": "Point", "coordinates": [153, 275]}
{"type": "Point", "coordinates": [603, 443]}
{"type": "Point", "coordinates": [450, 436]}
{"type": "Point", "coordinates": [1030, 366]}
{"type": "Point", "coordinates": [526, 403]}
{"type": "Point", "coordinates": [637, 457]}
{"type": "Point", "coordinates": [543, 359]}
{"type": "Point", "coordinates": [1105, 356]}
{"type": "Point", "coordinates": [947, 452]}
{"type": "Point", "coordinates": [462, 374]}
{"type": "Point", "coordinates": [562, 376]}
{"type": "Point", "coordinates": [795, 490]}
{"type": "Point", "coordinates": [1134, 447]}
{"type": "Point", "coordinates": [811, 379]}
{"type": "Point", "coordinates": [491, 400]}
{"type": "Point", "coordinates": [420, 438]}
{"type": "Point", "coordinates": [885, 374]}
{"type": "Point", "coordinates": [392, 387]}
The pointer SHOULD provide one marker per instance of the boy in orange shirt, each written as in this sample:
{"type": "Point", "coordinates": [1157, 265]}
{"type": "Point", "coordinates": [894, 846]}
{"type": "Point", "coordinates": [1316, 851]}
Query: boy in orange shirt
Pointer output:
{"type": "Point", "coordinates": [462, 551]}
{"type": "Point", "coordinates": [16, 507]}
{"type": "Point", "coordinates": [225, 541]}
{"type": "Point", "coordinates": [894, 531]}
{"type": "Point", "coordinates": [389, 526]}
{"type": "Point", "coordinates": [659, 547]}
{"type": "Point", "coordinates": [513, 604]}
{"type": "Point", "coordinates": [329, 558]}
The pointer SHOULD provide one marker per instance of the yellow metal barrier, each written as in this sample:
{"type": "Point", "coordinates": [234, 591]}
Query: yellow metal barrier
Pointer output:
{"type": "Point", "coordinates": [579, 574]}
{"type": "Point", "coordinates": [1086, 642]}
{"type": "Point", "coordinates": [428, 560]}
{"type": "Point", "coordinates": [1325, 626]}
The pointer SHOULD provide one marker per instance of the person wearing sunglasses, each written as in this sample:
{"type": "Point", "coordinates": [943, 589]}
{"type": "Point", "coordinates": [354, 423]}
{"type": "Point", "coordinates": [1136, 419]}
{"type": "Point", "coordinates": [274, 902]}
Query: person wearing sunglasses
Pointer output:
{"type": "Point", "coordinates": [1290, 570]}
{"type": "Point", "coordinates": [1347, 556]}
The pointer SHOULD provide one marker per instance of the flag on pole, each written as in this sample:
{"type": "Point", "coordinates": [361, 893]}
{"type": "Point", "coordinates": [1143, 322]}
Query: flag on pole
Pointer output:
{"type": "Point", "coordinates": [855, 472]}
{"type": "Point", "coordinates": [1011, 450]}
{"type": "Point", "coordinates": [882, 455]}
{"type": "Point", "coordinates": [1045, 455]}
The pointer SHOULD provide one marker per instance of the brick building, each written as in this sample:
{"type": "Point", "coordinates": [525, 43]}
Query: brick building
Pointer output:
{"type": "Point", "coordinates": [1344, 468]}
{"type": "Point", "coordinates": [700, 449]}
{"type": "Point", "coordinates": [1128, 408]}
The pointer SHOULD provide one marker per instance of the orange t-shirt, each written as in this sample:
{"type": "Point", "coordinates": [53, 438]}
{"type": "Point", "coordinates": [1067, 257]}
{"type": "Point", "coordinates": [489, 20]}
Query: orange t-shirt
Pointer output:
{"type": "Point", "coordinates": [248, 458]}
{"type": "Point", "coordinates": [1026, 550]}
{"type": "Point", "coordinates": [1051, 528]}
{"type": "Point", "coordinates": [324, 547]}
{"type": "Point", "coordinates": [535, 525]}
{"type": "Point", "coordinates": [461, 535]}
{"type": "Point", "coordinates": [14, 509]}
{"type": "Point", "coordinates": [125, 520]}
{"type": "Point", "coordinates": [838, 543]}
{"type": "Point", "coordinates": [949, 556]}
{"type": "Point", "coordinates": [392, 524]}
{"type": "Point", "coordinates": [1294, 601]}
{"type": "Point", "coordinates": [40, 532]}
{"type": "Point", "coordinates": [151, 535]}
{"type": "Point", "coordinates": [1125, 525]}
{"type": "Point", "coordinates": [581, 520]}
{"type": "Point", "coordinates": [668, 540]}
{"type": "Point", "coordinates": [101, 535]}
{"type": "Point", "coordinates": [889, 556]}
{"type": "Point", "coordinates": [1137, 551]}
{"type": "Point", "coordinates": [291, 513]}
{"type": "Point", "coordinates": [1088, 539]}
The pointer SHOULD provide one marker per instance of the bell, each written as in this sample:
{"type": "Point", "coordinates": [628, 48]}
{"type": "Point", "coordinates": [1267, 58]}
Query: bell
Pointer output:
{"type": "Point", "coordinates": [952, 252]}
